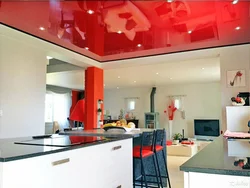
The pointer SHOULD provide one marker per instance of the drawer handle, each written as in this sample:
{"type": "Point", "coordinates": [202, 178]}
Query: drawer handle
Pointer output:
{"type": "Point", "coordinates": [60, 162]}
{"type": "Point", "coordinates": [117, 147]}
{"type": "Point", "coordinates": [120, 186]}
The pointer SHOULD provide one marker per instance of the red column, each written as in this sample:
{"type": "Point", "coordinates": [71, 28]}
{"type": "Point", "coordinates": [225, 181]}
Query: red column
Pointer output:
{"type": "Point", "coordinates": [93, 92]}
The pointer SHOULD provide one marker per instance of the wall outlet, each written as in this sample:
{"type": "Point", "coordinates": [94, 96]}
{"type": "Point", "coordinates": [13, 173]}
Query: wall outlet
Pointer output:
{"type": "Point", "coordinates": [1, 113]}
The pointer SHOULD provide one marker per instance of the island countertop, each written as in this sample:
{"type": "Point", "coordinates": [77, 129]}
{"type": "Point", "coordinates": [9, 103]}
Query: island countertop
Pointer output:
{"type": "Point", "coordinates": [101, 132]}
{"type": "Point", "coordinates": [221, 157]}
{"type": "Point", "coordinates": [10, 151]}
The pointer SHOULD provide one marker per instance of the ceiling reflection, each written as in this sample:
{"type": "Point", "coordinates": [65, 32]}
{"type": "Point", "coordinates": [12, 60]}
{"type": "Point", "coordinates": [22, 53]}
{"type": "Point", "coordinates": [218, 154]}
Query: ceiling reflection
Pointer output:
{"type": "Point", "coordinates": [111, 30]}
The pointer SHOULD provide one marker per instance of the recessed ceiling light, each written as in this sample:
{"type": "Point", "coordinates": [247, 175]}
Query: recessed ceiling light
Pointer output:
{"type": "Point", "coordinates": [237, 28]}
{"type": "Point", "coordinates": [235, 2]}
{"type": "Point", "coordinates": [157, 73]}
{"type": "Point", "coordinates": [42, 28]}
{"type": "Point", "coordinates": [117, 87]}
{"type": "Point", "coordinates": [90, 12]}
{"type": "Point", "coordinates": [48, 57]}
{"type": "Point", "coordinates": [170, 1]}
{"type": "Point", "coordinates": [119, 77]}
{"type": "Point", "coordinates": [189, 32]}
{"type": "Point", "coordinates": [134, 81]}
{"type": "Point", "coordinates": [171, 78]}
{"type": "Point", "coordinates": [203, 68]}
{"type": "Point", "coordinates": [138, 45]}
{"type": "Point", "coordinates": [104, 85]}
{"type": "Point", "coordinates": [119, 32]}
{"type": "Point", "coordinates": [86, 48]}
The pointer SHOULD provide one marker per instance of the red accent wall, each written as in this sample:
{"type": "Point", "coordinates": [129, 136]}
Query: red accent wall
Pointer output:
{"type": "Point", "coordinates": [93, 92]}
{"type": "Point", "coordinates": [74, 100]}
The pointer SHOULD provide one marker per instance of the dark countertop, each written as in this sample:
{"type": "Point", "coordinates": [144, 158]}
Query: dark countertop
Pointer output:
{"type": "Point", "coordinates": [111, 133]}
{"type": "Point", "coordinates": [9, 151]}
{"type": "Point", "coordinates": [220, 157]}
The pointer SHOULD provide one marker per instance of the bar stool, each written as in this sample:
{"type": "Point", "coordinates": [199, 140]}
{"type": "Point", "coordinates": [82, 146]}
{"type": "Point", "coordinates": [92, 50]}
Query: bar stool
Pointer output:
{"type": "Point", "coordinates": [142, 152]}
{"type": "Point", "coordinates": [159, 148]}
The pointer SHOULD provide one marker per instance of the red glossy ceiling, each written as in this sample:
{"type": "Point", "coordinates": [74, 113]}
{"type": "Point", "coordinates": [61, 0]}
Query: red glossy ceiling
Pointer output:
{"type": "Point", "coordinates": [127, 29]}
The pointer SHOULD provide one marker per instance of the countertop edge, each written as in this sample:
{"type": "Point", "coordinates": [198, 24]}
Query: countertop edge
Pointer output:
{"type": "Point", "coordinates": [62, 149]}
{"type": "Point", "coordinates": [215, 171]}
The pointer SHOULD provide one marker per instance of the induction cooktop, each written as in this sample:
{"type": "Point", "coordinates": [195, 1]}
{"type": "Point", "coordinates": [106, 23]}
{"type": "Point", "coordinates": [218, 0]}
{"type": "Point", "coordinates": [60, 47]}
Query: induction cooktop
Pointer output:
{"type": "Point", "coordinates": [62, 141]}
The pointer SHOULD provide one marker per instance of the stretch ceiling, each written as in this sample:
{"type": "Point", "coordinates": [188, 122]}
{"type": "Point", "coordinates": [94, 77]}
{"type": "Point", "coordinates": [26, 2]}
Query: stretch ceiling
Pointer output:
{"type": "Point", "coordinates": [112, 30]}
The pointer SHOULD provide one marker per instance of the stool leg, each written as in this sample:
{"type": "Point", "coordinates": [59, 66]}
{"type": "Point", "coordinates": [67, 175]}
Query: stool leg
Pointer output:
{"type": "Point", "coordinates": [165, 162]}
{"type": "Point", "coordinates": [133, 172]}
{"type": "Point", "coordinates": [144, 174]}
{"type": "Point", "coordinates": [159, 170]}
{"type": "Point", "coordinates": [156, 172]}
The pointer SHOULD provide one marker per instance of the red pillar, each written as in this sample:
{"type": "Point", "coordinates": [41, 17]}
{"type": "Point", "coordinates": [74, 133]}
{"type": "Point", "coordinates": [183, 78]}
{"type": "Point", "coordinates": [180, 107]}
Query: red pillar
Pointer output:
{"type": "Point", "coordinates": [93, 92]}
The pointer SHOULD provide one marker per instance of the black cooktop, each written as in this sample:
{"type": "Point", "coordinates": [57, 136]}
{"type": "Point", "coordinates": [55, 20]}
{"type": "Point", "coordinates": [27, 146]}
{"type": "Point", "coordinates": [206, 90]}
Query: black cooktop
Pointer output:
{"type": "Point", "coordinates": [62, 141]}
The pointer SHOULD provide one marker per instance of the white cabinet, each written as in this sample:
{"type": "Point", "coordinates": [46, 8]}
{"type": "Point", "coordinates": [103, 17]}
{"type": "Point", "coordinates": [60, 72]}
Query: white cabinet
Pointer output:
{"type": "Point", "coordinates": [237, 118]}
{"type": "Point", "coordinates": [106, 165]}
{"type": "Point", "coordinates": [196, 180]}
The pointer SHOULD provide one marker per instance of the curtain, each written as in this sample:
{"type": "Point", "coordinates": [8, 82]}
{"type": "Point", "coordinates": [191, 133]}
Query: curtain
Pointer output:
{"type": "Point", "coordinates": [178, 103]}
{"type": "Point", "coordinates": [61, 108]}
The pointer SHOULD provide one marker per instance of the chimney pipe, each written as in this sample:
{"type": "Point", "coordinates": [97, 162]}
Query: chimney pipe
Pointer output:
{"type": "Point", "coordinates": [152, 100]}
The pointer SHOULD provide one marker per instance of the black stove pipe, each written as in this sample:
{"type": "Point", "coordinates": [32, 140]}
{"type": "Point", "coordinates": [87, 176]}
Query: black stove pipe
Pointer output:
{"type": "Point", "coordinates": [152, 100]}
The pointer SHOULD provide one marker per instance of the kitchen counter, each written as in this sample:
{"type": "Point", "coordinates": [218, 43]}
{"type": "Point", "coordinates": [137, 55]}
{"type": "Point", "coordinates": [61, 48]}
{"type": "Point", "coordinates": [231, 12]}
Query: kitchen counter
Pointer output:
{"type": "Point", "coordinates": [219, 160]}
{"type": "Point", "coordinates": [9, 151]}
{"type": "Point", "coordinates": [100, 132]}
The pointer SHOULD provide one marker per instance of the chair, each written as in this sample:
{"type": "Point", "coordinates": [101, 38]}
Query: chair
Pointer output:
{"type": "Point", "coordinates": [159, 145]}
{"type": "Point", "coordinates": [142, 152]}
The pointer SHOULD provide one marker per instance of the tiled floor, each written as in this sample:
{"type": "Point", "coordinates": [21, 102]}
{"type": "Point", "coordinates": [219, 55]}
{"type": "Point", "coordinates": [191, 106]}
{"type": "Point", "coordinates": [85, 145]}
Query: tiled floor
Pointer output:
{"type": "Point", "coordinates": [176, 176]}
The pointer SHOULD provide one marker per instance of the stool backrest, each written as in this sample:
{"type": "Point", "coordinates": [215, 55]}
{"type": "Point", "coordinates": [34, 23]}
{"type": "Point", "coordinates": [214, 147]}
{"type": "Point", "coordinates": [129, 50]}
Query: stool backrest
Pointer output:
{"type": "Point", "coordinates": [147, 139]}
{"type": "Point", "coordinates": [159, 137]}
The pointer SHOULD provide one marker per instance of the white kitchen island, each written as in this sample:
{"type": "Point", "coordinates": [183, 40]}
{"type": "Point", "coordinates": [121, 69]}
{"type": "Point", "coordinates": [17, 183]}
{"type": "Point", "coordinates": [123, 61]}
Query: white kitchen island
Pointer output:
{"type": "Point", "coordinates": [104, 164]}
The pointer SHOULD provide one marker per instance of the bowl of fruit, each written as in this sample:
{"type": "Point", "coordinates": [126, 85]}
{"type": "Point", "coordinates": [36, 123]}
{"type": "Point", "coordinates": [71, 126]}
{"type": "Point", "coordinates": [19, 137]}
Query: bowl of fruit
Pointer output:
{"type": "Point", "coordinates": [119, 125]}
{"type": "Point", "coordinates": [238, 101]}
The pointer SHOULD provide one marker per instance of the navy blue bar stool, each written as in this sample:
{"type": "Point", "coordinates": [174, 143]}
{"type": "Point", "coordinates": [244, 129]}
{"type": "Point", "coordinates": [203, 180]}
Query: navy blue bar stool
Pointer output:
{"type": "Point", "coordinates": [143, 152]}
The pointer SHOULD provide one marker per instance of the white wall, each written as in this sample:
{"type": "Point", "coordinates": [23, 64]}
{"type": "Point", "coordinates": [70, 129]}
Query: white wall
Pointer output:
{"type": "Point", "coordinates": [233, 58]}
{"type": "Point", "coordinates": [22, 88]}
{"type": "Point", "coordinates": [201, 101]}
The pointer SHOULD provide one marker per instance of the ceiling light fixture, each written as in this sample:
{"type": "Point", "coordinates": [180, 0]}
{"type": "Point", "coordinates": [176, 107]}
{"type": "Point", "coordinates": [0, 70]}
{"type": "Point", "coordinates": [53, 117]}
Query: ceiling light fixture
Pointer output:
{"type": "Point", "coordinates": [42, 28]}
{"type": "Point", "coordinates": [237, 28]}
{"type": "Point", "coordinates": [171, 78]}
{"type": "Point", "coordinates": [119, 77]}
{"type": "Point", "coordinates": [170, 1]}
{"type": "Point", "coordinates": [235, 2]}
{"type": "Point", "coordinates": [134, 81]}
{"type": "Point", "coordinates": [157, 73]}
{"type": "Point", "coordinates": [90, 12]}
{"type": "Point", "coordinates": [119, 32]}
{"type": "Point", "coordinates": [203, 68]}
{"type": "Point", "coordinates": [189, 32]}
{"type": "Point", "coordinates": [117, 87]}
{"type": "Point", "coordinates": [104, 85]}
{"type": "Point", "coordinates": [86, 48]}
{"type": "Point", "coordinates": [139, 45]}
{"type": "Point", "coordinates": [48, 57]}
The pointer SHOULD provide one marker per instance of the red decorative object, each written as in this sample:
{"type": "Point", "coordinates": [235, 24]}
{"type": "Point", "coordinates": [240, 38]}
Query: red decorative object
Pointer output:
{"type": "Point", "coordinates": [78, 113]}
{"type": "Point", "coordinates": [171, 110]}
{"type": "Point", "coordinates": [187, 142]}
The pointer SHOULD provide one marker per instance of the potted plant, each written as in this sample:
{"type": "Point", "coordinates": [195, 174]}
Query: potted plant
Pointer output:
{"type": "Point", "coordinates": [176, 138]}
{"type": "Point", "coordinates": [99, 111]}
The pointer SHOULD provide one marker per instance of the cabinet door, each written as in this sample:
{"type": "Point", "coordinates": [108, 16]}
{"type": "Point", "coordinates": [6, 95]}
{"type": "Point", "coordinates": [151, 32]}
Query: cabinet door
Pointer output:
{"type": "Point", "coordinates": [48, 171]}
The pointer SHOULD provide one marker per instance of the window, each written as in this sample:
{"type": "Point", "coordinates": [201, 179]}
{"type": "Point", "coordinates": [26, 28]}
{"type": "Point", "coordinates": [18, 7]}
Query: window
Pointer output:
{"type": "Point", "coordinates": [130, 104]}
{"type": "Point", "coordinates": [177, 103]}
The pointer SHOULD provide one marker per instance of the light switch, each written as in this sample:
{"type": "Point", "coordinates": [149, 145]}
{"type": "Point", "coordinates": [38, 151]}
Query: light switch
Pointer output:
{"type": "Point", "coordinates": [1, 113]}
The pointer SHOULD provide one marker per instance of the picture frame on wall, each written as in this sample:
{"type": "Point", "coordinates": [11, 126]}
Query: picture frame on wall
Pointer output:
{"type": "Point", "coordinates": [236, 78]}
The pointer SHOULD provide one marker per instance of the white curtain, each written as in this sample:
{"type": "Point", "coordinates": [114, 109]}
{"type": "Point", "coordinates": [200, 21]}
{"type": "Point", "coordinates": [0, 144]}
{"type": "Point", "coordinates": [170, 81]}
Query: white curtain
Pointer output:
{"type": "Point", "coordinates": [61, 108]}
{"type": "Point", "coordinates": [179, 103]}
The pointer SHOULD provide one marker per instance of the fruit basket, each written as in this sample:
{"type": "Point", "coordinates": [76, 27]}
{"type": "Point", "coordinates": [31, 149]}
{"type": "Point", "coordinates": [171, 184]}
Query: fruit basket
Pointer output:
{"type": "Point", "coordinates": [119, 126]}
